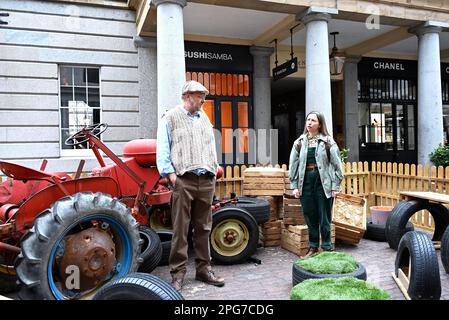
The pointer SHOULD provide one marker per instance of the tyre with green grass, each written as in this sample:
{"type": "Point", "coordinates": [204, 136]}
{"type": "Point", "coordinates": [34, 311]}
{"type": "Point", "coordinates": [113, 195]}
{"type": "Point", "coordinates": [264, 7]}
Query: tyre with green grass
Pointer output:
{"type": "Point", "coordinates": [397, 221]}
{"type": "Point", "coordinates": [347, 288]}
{"type": "Point", "coordinates": [327, 265]}
{"type": "Point", "coordinates": [445, 250]}
{"type": "Point", "coordinates": [417, 259]}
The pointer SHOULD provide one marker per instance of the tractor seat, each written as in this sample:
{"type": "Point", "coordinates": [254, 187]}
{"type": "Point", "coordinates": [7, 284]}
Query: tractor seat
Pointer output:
{"type": "Point", "coordinates": [19, 172]}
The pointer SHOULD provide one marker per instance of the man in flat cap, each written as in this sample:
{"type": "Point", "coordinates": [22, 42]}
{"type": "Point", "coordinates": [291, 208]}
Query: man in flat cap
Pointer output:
{"type": "Point", "coordinates": [186, 155]}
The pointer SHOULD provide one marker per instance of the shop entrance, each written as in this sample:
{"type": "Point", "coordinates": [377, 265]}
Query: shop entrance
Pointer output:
{"type": "Point", "coordinates": [387, 132]}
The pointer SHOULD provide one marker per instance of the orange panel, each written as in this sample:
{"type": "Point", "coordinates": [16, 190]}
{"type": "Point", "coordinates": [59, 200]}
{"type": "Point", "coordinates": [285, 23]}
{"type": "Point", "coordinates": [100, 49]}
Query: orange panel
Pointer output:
{"type": "Point", "coordinates": [242, 108]}
{"type": "Point", "coordinates": [206, 80]}
{"type": "Point", "coordinates": [188, 76]}
{"type": "Point", "coordinates": [235, 85]}
{"type": "Point", "coordinates": [243, 140]}
{"type": "Point", "coordinates": [226, 140]}
{"type": "Point", "coordinates": [246, 85]}
{"type": "Point", "coordinates": [240, 85]}
{"type": "Point", "coordinates": [217, 84]}
{"type": "Point", "coordinates": [223, 84]}
{"type": "Point", "coordinates": [226, 114]}
{"type": "Point", "coordinates": [194, 76]}
{"type": "Point", "coordinates": [208, 107]}
{"type": "Point", "coordinates": [200, 77]}
{"type": "Point", "coordinates": [229, 84]}
{"type": "Point", "coordinates": [212, 83]}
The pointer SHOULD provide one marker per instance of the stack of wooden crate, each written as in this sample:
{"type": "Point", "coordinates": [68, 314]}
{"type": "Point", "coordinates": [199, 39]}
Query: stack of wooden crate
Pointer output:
{"type": "Point", "coordinates": [267, 183]}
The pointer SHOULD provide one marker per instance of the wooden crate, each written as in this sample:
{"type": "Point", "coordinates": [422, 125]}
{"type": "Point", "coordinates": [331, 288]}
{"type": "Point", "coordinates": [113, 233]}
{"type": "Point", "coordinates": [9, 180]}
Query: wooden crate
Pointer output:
{"type": "Point", "coordinates": [275, 206]}
{"type": "Point", "coordinates": [349, 217]}
{"type": "Point", "coordinates": [293, 214]}
{"type": "Point", "coordinates": [263, 181]}
{"type": "Point", "coordinates": [271, 233]}
{"type": "Point", "coordinates": [296, 238]}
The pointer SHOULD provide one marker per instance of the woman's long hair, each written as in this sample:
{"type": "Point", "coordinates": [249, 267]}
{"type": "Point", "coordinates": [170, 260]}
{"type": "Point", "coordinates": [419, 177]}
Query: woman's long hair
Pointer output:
{"type": "Point", "coordinates": [323, 128]}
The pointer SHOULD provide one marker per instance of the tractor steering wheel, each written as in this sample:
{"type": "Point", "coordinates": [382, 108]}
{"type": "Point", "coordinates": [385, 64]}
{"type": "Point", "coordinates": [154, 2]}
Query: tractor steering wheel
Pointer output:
{"type": "Point", "coordinates": [84, 134]}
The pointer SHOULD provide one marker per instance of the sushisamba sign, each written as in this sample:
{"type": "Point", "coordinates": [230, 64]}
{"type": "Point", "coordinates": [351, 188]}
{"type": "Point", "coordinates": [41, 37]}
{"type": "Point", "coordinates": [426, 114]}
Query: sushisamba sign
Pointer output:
{"type": "Point", "coordinates": [202, 56]}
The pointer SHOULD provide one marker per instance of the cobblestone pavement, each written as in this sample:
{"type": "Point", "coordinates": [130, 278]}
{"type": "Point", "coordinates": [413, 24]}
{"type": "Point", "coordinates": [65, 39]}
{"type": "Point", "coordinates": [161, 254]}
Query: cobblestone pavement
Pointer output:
{"type": "Point", "coordinates": [272, 279]}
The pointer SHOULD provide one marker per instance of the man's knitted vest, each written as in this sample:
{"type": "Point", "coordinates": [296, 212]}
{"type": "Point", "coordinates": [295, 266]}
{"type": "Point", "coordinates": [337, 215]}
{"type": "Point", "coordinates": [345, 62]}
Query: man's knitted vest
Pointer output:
{"type": "Point", "coordinates": [192, 142]}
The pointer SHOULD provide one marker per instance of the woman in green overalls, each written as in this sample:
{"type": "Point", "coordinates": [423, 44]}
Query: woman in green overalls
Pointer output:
{"type": "Point", "coordinates": [315, 175]}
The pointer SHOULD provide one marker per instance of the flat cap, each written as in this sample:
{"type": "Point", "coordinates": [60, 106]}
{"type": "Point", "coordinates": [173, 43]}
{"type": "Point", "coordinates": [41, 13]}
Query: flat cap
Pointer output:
{"type": "Point", "coordinates": [194, 86]}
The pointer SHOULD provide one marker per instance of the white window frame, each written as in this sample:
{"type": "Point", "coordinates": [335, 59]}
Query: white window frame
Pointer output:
{"type": "Point", "coordinates": [76, 152]}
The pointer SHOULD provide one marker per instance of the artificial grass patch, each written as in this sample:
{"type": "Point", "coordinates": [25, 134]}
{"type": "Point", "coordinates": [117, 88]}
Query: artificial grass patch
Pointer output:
{"type": "Point", "coordinates": [328, 263]}
{"type": "Point", "coordinates": [347, 288]}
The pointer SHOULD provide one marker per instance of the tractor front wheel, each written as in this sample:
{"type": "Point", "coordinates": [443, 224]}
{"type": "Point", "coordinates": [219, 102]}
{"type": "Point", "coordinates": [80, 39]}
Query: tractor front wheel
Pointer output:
{"type": "Point", "coordinates": [234, 236]}
{"type": "Point", "coordinates": [75, 247]}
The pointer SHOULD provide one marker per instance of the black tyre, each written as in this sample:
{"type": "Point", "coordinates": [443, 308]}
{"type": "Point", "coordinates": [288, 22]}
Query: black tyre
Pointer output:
{"type": "Point", "coordinates": [138, 286]}
{"type": "Point", "coordinates": [8, 277]}
{"type": "Point", "coordinates": [376, 232]}
{"type": "Point", "coordinates": [397, 221]}
{"type": "Point", "coordinates": [109, 250]}
{"type": "Point", "coordinates": [151, 249]}
{"type": "Point", "coordinates": [257, 207]}
{"type": "Point", "coordinates": [417, 258]}
{"type": "Point", "coordinates": [234, 236]}
{"type": "Point", "coordinates": [165, 236]}
{"type": "Point", "coordinates": [445, 250]}
{"type": "Point", "coordinates": [300, 274]}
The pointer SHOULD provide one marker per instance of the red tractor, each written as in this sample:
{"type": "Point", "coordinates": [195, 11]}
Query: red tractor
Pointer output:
{"type": "Point", "coordinates": [65, 238]}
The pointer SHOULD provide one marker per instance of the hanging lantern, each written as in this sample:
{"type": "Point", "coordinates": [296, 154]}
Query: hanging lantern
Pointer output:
{"type": "Point", "coordinates": [336, 59]}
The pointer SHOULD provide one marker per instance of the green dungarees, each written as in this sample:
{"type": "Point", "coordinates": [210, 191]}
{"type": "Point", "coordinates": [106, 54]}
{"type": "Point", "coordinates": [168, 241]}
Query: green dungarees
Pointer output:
{"type": "Point", "coordinates": [316, 207]}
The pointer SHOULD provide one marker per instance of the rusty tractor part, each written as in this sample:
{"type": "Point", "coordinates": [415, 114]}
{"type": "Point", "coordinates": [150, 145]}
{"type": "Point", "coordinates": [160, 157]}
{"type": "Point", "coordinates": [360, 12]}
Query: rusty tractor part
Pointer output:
{"type": "Point", "coordinates": [68, 228]}
{"type": "Point", "coordinates": [92, 251]}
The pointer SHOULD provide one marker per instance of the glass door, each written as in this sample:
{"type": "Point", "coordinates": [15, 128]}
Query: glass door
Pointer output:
{"type": "Point", "coordinates": [387, 132]}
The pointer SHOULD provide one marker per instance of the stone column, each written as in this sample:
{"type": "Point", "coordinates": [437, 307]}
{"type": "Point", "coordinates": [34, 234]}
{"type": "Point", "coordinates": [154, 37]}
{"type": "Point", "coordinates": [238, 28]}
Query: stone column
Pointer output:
{"type": "Point", "coordinates": [318, 81]}
{"type": "Point", "coordinates": [262, 102]}
{"type": "Point", "coordinates": [146, 50]}
{"type": "Point", "coordinates": [171, 67]}
{"type": "Point", "coordinates": [430, 108]}
{"type": "Point", "coordinates": [351, 108]}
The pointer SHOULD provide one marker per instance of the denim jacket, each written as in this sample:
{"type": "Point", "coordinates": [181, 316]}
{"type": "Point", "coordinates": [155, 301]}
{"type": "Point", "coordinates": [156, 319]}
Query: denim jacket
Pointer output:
{"type": "Point", "coordinates": [330, 171]}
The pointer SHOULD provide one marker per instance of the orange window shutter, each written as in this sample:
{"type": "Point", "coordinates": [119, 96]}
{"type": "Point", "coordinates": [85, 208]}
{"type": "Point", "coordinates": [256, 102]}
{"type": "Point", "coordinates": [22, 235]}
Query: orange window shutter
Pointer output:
{"type": "Point", "coordinates": [226, 114]}
{"type": "Point", "coordinates": [240, 85]}
{"type": "Point", "coordinates": [208, 108]}
{"type": "Point", "coordinates": [200, 78]}
{"type": "Point", "coordinates": [223, 84]}
{"type": "Point", "coordinates": [194, 76]}
{"type": "Point", "coordinates": [242, 108]}
{"type": "Point", "coordinates": [243, 140]}
{"type": "Point", "coordinates": [235, 85]}
{"type": "Point", "coordinates": [212, 83]}
{"type": "Point", "coordinates": [229, 84]}
{"type": "Point", "coordinates": [226, 140]}
{"type": "Point", "coordinates": [188, 76]}
{"type": "Point", "coordinates": [246, 85]}
{"type": "Point", "coordinates": [206, 81]}
{"type": "Point", "coordinates": [217, 84]}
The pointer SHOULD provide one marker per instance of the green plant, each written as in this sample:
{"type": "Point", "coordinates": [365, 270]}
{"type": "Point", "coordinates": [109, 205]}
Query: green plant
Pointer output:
{"type": "Point", "coordinates": [329, 263]}
{"type": "Point", "coordinates": [440, 156]}
{"type": "Point", "coordinates": [344, 154]}
{"type": "Point", "coordinates": [347, 288]}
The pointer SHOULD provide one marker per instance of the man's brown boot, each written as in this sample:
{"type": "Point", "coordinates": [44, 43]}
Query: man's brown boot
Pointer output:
{"type": "Point", "coordinates": [310, 252]}
{"type": "Point", "coordinates": [210, 278]}
{"type": "Point", "coordinates": [177, 283]}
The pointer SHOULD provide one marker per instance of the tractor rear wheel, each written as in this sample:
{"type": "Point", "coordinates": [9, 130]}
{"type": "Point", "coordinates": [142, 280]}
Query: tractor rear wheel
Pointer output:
{"type": "Point", "coordinates": [75, 247]}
